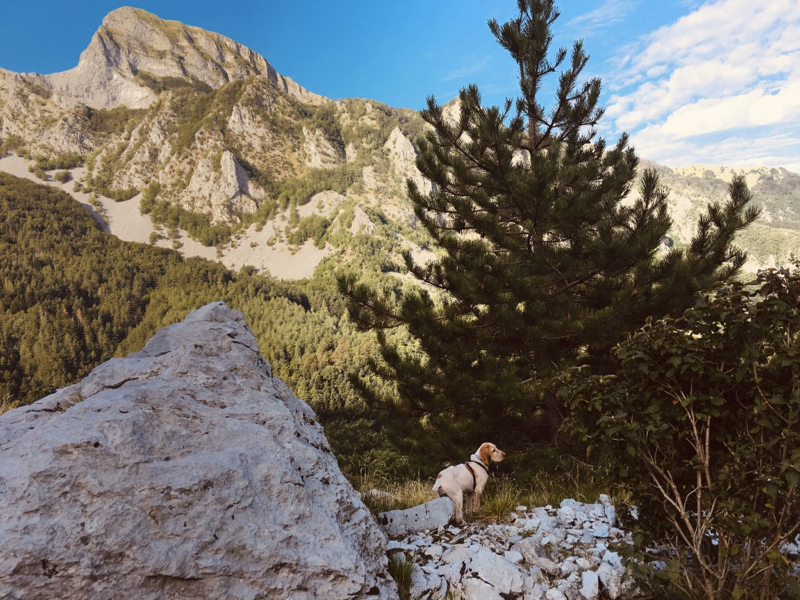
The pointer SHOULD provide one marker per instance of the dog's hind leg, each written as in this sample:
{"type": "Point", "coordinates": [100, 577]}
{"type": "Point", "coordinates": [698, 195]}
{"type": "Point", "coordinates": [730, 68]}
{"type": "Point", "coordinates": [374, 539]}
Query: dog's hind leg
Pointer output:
{"type": "Point", "coordinates": [457, 497]}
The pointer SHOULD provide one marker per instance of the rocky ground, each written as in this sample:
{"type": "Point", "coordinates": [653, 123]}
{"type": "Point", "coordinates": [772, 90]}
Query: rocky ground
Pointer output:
{"type": "Point", "coordinates": [540, 553]}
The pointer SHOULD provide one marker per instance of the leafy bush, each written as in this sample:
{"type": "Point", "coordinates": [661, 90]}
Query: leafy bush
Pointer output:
{"type": "Point", "coordinates": [12, 143]}
{"type": "Point", "coordinates": [198, 225]}
{"type": "Point", "coordinates": [67, 160]}
{"type": "Point", "coordinates": [300, 189]}
{"type": "Point", "coordinates": [119, 195]}
{"type": "Point", "coordinates": [314, 227]}
{"type": "Point", "coordinates": [149, 194]}
{"type": "Point", "coordinates": [113, 120]}
{"type": "Point", "coordinates": [62, 176]}
{"type": "Point", "coordinates": [202, 107]}
{"type": "Point", "coordinates": [161, 84]}
{"type": "Point", "coordinates": [701, 423]}
{"type": "Point", "coordinates": [38, 171]}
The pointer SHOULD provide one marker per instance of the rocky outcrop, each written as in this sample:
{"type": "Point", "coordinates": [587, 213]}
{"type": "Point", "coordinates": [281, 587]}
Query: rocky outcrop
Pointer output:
{"type": "Point", "coordinates": [403, 157]}
{"type": "Point", "coordinates": [543, 553]}
{"type": "Point", "coordinates": [31, 111]}
{"type": "Point", "coordinates": [133, 42]}
{"type": "Point", "coordinates": [183, 471]}
{"type": "Point", "coordinates": [222, 191]}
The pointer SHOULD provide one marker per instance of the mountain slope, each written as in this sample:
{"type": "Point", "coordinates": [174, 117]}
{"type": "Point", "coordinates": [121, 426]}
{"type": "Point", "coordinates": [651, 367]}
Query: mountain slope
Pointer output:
{"type": "Point", "coordinates": [210, 140]}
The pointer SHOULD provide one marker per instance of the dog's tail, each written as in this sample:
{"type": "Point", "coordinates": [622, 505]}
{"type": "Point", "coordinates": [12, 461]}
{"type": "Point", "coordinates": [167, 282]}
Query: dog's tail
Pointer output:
{"type": "Point", "coordinates": [438, 484]}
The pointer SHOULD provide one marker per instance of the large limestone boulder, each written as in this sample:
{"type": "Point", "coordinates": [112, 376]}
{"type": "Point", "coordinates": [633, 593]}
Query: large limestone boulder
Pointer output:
{"type": "Point", "coordinates": [182, 471]}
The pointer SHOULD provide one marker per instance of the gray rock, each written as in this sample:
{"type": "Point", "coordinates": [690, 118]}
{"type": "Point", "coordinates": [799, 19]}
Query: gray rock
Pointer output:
{"type": "Point", "coordinates": [611, 579]}
{"type": "Point", "coordinates": [494, 570]}
{"type": "Point", "coordinates": [590, 585]}
{"type": "Point", "coordinates": [548, 566]}
{"type": "Point", "coordinates": [185, 470]}
{"type": "Point", "coordinates": [602, 532]}
{"type": "Point", "coordinates": [433, 514]}
{"type": "Point", "coordinates": [495, 561]}
{"type": "Point", "coordinates": [426, 585]}
{"type": "Point", "coordinates": [531, 548]}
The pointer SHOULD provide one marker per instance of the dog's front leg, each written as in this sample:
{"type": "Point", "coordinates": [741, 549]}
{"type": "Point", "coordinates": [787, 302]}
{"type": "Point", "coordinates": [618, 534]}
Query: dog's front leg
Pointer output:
{"type": "Point", "coordinates": [476, 502]}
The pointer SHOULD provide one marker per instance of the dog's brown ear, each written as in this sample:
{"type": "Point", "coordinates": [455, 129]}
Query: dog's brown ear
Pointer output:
{"type": "Point", "coordinates": [485, 452]}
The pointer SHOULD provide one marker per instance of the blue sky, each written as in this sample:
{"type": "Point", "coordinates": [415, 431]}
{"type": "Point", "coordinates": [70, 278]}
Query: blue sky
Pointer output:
{"type": "Point", "coordinates": [692, 81]}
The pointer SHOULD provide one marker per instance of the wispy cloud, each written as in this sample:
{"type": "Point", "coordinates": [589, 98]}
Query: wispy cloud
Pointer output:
{"type": "Point", "coordinates": [604, 16]}
{"type": "Point", "coordinates": [468, 70]}
{"type": "Point", "coordinates": [727, 66]}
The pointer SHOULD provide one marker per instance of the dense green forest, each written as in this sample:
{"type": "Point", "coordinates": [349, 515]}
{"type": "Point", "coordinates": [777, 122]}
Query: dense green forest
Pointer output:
{"type": "Point", "coordinates": [73, 297]}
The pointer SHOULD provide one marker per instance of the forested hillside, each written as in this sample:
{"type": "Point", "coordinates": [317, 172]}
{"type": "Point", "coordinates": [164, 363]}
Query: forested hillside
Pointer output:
{"type": "Point", "coordinates": [73, 297]}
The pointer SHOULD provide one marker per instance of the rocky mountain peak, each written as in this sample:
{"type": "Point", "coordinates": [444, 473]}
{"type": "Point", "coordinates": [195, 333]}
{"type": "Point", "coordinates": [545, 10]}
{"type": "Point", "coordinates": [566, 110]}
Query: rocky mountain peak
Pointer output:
{"type": "Point", "coordinates": [135, 54]}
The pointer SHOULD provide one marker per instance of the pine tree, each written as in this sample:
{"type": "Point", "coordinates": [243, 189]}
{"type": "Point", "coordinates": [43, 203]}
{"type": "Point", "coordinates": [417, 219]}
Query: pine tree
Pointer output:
{"type": "Point", "coordinates": [548, 257]}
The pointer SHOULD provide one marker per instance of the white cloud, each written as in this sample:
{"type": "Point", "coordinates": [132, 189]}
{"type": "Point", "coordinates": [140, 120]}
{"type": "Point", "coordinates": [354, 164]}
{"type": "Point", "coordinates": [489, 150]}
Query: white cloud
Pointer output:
{"type": "Point", "coordinates": [752, 109]}
{"type": "Point", "coordinates": [604, 16]}
{"type": "Point", "coordinates": [469, 70]}
{"type": "Point", "coordinates": [726, 66]}
{"type": "Point", "coordinates": [774, 146]}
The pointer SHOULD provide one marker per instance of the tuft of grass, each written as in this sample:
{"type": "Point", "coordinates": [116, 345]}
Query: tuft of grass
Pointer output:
{"type": "Point", "coordinates": [500, 498]}
{"type": "Point", "coordinates": [401, 569]}
{"type": "Point", "coordinates": [6, 403]}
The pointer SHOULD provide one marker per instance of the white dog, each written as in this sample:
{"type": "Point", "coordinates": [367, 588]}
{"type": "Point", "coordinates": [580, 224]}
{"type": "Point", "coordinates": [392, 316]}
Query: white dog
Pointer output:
{"type": "Point", "coordinates": [469, 478]}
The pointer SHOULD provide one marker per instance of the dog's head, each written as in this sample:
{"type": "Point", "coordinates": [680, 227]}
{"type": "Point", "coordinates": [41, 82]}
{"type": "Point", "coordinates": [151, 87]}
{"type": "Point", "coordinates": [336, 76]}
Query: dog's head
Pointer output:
{"type": "Point", "coordinates": [490, 453]}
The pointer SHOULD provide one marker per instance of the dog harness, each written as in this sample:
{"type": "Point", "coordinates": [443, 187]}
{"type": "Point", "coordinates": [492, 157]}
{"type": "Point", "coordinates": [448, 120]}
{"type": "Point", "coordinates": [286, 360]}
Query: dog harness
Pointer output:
{"type": "Point", "coordinates": [472, 472]}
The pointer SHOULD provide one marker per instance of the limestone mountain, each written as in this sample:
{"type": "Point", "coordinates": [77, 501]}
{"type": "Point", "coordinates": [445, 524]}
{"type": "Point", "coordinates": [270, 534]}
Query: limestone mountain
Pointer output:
{"type": "Point", "coordinates": [208, 138]}
{"type": "Point", "coordinates": [771, 240]}
{"type": "Point", "coordinates": [214, 139]}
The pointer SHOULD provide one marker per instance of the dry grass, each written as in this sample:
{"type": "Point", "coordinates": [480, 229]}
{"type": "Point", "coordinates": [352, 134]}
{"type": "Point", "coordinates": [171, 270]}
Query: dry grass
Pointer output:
{"type": "Point", "coordinates": [6, 404]}
{"type": "Point", "coordinates": [501, 496]}
{"type": "Point", "coordinates": [379, 495]}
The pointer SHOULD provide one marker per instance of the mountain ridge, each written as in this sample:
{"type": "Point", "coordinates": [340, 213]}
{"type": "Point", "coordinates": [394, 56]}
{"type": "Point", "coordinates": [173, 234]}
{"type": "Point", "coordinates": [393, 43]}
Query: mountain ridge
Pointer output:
{"type": "Point", "coordinates": [212, 141]}
{"type": "Point", "coordinates": [131, 42]}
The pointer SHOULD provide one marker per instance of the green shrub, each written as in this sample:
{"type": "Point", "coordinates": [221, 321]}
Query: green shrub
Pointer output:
{"type": "Point", "coordinates": [162, 84]}
{"type": "Point", "coordinates": [12, 143]}
{"type": "Point", "coordinates": [313, 226]}
{"type": "Point", "coordinates": [198, 225]}
{"type": "Point", "coordinates": [701, 423]}
{"type": "Point", "coordinates": [113, 120]}
{"type": "Point", "coordinates": [67, 160]}
{"type": "Point", "coordinates": [300, 189]}
{"type": "Point", "coordinates": [38, 171]}
{"type": "Point", "coordinates": [62, 176]}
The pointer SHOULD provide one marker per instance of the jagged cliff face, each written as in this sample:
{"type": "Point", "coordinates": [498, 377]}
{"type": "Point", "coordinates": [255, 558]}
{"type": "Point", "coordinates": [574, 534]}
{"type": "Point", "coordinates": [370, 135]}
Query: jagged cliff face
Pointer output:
{"type": "Point", "coordinates": [132, 45]}
{"type": "Point", "coordinates": [200, 123]}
